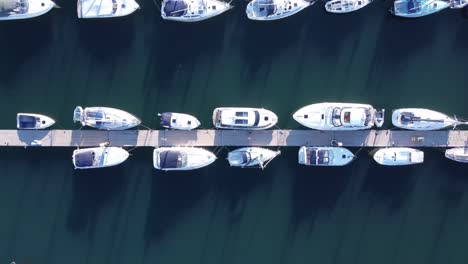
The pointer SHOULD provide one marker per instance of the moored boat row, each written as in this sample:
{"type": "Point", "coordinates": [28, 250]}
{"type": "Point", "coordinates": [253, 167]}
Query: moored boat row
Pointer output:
{"type": "Point", "coordinates": [199, 10]}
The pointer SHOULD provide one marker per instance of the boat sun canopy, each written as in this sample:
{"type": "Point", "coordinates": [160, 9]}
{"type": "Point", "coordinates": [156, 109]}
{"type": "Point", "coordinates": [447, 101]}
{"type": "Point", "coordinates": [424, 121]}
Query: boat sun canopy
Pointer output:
{"type": "Point", "coordinates": [166, 119]}
{"type": "Point", "coordinates": [175, 8]}
{"type": "Point", "coordinates": [84, 159]}
{"type": "Point", "coordinates": [27, 121]}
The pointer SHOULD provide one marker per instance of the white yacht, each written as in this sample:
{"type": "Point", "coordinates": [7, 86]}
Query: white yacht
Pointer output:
{"type": "Point", "coordinates": [251, 157]}
{"type": "Point", "coordinates": [418, 8]}
{"type": "Point", "coordinates": [192, 10]}
{"type": "Point", "coordinates": [105, 8]}
{"type": "Point", "coordinates": [178, 121]}
{"type": "Point", "coordinates": [345, 6]}
{"type": "Point", "coordinates": [458, 3]}
{"type": "Point", "coordinates": [244, 118]}
{"type": "Point", "coordinates": [22, 9]}
{"type": "Point", "coordinates": [274, 9]}
{"type": "Point", "coordinates": [325, 156]}
{"type": "Point", "coordinates": [33, 121]}
{"type": "Point", "coordinates": [339, 116]}
{"type": "Point", "coordinates": [181, 158]}
{"type": "Point", "coordinates": [398, 156]}
{"type": "Point", "coordinates": [422, 119]}
{"type": "Point", "coordinates": [99, 157]}
{"type": "Point", "coordinates": [457, 154]}
{"type": "Point", "coordinates": [105, 118]}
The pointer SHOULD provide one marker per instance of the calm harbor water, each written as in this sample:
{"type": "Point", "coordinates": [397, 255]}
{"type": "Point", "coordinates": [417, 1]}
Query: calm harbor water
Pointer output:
{"type": "Point", "coordinates": [362, 213]}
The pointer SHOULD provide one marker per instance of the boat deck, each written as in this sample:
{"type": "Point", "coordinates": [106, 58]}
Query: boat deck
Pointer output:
{"type": "Point", "coordinates": [210, 137]}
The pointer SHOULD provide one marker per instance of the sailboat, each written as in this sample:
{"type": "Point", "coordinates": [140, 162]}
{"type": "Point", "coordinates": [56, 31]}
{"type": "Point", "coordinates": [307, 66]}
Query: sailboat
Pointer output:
{"type": "Point", "coordinates": [418, 8]}
{"type": "Point", "coordinates": [345, 6]}
{"type": "Point", "coordinates": [105, 8]}
{"type": "Point", "coordinates": [250, 157]}
{"type": "Point", "coordinates": [192, 10]}
{"type": "Point", "coordinates": [457, 154]}
{"type": "Point", "coordinates": [423, 119]}
{"type": "Point", "coordinates": [274, 9]}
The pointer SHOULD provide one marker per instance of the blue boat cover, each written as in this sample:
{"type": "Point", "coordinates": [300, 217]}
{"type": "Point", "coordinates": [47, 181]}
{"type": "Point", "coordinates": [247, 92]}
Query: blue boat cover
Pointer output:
{"type": "Point", "coordinates": [166, 119]}
{"type": "Point", "coordinates": [27, 121]}
{"type": "Point", "coordinates": [175, 8]}
{"type": "Point", "coordinates": [172, 159]}
{"type": "Point", "coordinates": [84, 159]}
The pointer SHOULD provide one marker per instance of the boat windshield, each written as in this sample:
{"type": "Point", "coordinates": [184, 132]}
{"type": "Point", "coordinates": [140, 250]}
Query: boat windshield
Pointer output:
{"type": "Point", "coordinates": [175, 8]}
{"type": "Point", "coordinates": [336, 117]}
{"type": "Point", "coordinates": [172, 159]}
{"type": "Point", "coordinates": [319, 157]}
{"type": "Point", "coordinates": [257, 118]}
{"type": "Point", "coordinates": [240, 158]}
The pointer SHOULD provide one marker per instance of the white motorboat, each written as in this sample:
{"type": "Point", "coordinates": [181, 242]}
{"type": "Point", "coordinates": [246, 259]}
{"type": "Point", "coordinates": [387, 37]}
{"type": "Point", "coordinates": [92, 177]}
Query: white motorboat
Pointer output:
{"type": "Point", "coordinates": [181, 158]}
{"type": "Point", "coordinates": [325, 156]}
{"type": "Point", "coordinates": [251, 157]}
{"type": "Point", "coordinates": [274, 9]}
{"type": "Point", "coordinates": [192, 10]}
{"type": "Point", "coordinates": [105, 118]}
{"type": "Point", "coordinates": [339, 116]}
{"type": "Point", "coordinates": [23, 9]}
{"type": "Point", "coordinates": [178, 121]}
{"type": "Point", "coordinates": [345, 6]}
{"type": "Point", "coordinates": [458, 3]}
{"type": "Point", "coordinates": [105, 8]}
{"type": "Point", "coordinates": [33, 121]}
{"type": "Point", "coordinates": [418, 8]}
{"type": "Point", "coordinates": [422, 119]}
{"type": "Point", "coordinates": [244, 118]}
{"type": "Point", "coordinates": [99, 157]}
{"type": "Point", "coordinates": [398, 156]}
{"type": "Point", "coordinates": [457, 154]}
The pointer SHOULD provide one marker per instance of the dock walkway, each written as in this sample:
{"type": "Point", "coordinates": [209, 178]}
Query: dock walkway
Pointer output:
{"type": "Point", "coordinates": [211, 137]}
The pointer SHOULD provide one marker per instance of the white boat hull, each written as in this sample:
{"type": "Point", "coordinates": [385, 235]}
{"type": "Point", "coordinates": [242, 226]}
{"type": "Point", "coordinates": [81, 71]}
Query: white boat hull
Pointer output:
{"type": "Point", "coordinates": [251, 157]}
{"type": "Point", "coordinates": [321, 116]}
{"type": "Point", "coordinates": [179, 121]}
{"type": "Point", "coordinates": [282, 9]}
{"type": "Point", "coordinates": [168, 159]}
{"type": "Point", "coordinates": [425, 9]}
{"type": "Point", "coordinates": [345, 6]}
{"type": "Point", "coordinates": [244, 118]}
{"type": "Point", "coordinates": [33, 121]}
{"type": "Point", "coordinates": [106, 8]}
{"type": "Point", "coordinates": [324, 156]}
{"type": "Point", "coordinates": [398, 156]}
{"type": "Point", "coordinates": [209, 9]}
{"type": "Point", "coordinates": [36, 8]}
{"type": "Point", "coordinates": [457, 154]}
{"type": "Point", "coordinates": [421, 119]}
{"type": "Point", "coordinates": [105, 118]}
{"type": "Point", "coordinates": [103, 157]}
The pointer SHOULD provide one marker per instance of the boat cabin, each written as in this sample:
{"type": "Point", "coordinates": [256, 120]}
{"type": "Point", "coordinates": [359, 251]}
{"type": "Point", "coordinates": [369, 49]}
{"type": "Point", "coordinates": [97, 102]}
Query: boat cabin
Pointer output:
{"type": "Point", "coordinates": [171, 159]}
{"type": "Point", "coordinates": [351, 117]}
{"type": "Point", "coordinates": [85, 159]}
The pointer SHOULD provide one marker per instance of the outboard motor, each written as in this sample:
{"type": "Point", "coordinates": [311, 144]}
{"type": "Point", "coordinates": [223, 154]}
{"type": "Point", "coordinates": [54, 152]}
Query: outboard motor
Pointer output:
{"type": "Point", "coordinates": [379, 117]}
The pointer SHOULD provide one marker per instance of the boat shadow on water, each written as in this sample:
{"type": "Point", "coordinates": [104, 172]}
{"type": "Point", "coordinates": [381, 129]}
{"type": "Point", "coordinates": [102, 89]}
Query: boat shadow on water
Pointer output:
{"type": "Point", "coordinates": [22, 40]}
{"type": "Point", "coordinates": [93, 190]}
{"type": "Point", "coordinates": [389, 185]}
{"type": "Point", "coordinates": [106, 39]}
{"type": "Point", "coordinates": [315, 190]}
{"type": "Point", "coordinates": [174, 194]}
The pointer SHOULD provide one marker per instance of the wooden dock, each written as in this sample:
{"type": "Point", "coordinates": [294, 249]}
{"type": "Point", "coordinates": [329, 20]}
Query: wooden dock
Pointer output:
{"type": "Point", "coordinates": [210, 137]}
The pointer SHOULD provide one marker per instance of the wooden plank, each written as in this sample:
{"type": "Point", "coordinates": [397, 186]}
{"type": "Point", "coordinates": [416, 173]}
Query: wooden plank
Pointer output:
{"type": "Point", "coordinates": [210, 137]}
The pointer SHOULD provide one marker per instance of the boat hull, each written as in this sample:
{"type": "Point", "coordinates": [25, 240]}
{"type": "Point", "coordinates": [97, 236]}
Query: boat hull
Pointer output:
{"type": "Point", "coordinates": [398, 156]}
{"type": "Point", "coordinates": [424, 119]}
{"type": "Point", "coordinates": [324, 156]}
{"type": "Point", "coordinates": [196, 158]}
{"type": "Point", "coordinates": [320, 116]}
{"type": "Point", "coordinates": [40, 121]}
{"type": "Point", "coordinates": [424, 10]}
{"type": "Point", "coordinates": [178, 121]}
{"type": "Point", "coordinates": [105, 118]}
{"type": "Point", "coordinates": [121, 8]}
{"type": "Point", "coordinates": [345, 6]}
{"type": "Point", "coordinates": [36, 8]}
{"type": "Point", "coordinates": [251, 157]}
{"type": "Point", "coordinates": [457, 154]}
{"type": "Point", "coordinates": [213, 8]}
{"type": "Point", "coordinates": [104, 157]}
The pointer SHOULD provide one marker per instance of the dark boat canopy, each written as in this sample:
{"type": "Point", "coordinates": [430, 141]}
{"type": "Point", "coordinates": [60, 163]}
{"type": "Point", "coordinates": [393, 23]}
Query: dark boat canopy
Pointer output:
{"type": "Point", "coordinates": [175, 8]}
{"type": "Point", "coordinates": [320, 157]}
{"type": "Point", "coordinates": [84, 159]}
{"type": "Point", "coordinates": [169, 159]}
{"type": "Point", "coordinates": [27, 121]}
{"type": "Point", "coordinates": [166, 119]}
